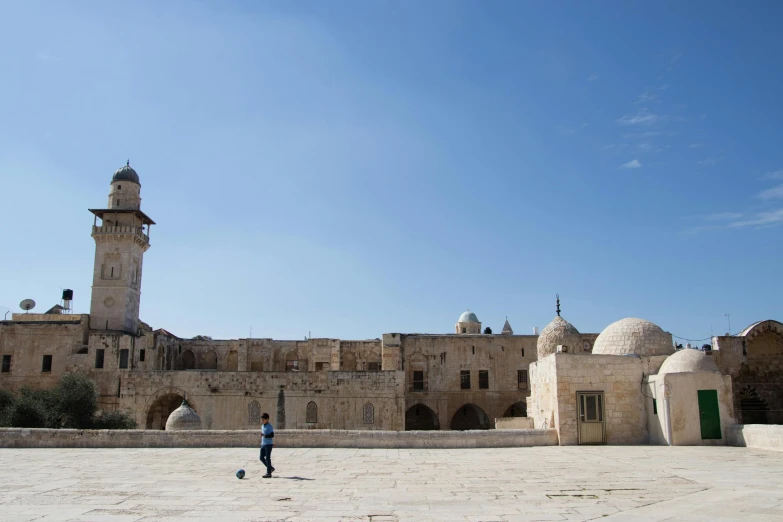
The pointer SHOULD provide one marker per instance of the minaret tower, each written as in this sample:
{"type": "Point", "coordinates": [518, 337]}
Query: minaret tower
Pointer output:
{"type": "Point", "coordinates": [121, 239]}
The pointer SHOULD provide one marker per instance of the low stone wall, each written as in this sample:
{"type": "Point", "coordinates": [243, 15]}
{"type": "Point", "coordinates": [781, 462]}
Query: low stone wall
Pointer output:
{"type": "Point", "coordinates": [514, 423]}
{"type": "Point", "coordinates": [45, 438]}
{"type": "Point", "coordinates": [758, 436]}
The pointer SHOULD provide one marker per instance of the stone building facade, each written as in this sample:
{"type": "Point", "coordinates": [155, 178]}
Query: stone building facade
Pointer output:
{"type": "Point", "coordinates": [464, 380]}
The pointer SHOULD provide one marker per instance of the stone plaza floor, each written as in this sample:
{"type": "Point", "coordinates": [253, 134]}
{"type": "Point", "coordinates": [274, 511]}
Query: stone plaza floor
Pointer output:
{"type": "Point", "coordinates": [629, 483]}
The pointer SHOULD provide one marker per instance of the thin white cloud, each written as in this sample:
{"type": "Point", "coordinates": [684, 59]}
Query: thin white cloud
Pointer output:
{"type": "Point", "coordinates": [710, 161]}
{"type": "Point", "coordinates": [761, 219]}
{"type": "Point", "coordinates": [772, 193]}
{"type": "Point", "coordinates": [633, 164]}
{"type": "Point", "coordinates": [643, 117]}
{"type": "Point", "coordinates": [695, 145]}
{"type": "Point", "coordinates": [646, 97]}
{"type": "Point", "coordinates": [663, 87]}
{"type": "Point", "coordinates": [593, 77]}
{"type": "Point", "coordinates": [777, 174]}
{"type": "Point", "coordinates": [724, 216]}
{"type": "Point", "coordinates": [676, 57]}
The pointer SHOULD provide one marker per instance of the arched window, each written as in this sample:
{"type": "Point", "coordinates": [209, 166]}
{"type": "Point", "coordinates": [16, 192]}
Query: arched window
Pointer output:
{"type": "Point", "coordinates": [369, 414]}
{"type": "Point", "coordinates": [254, 412]}
{"type": "Point", "coordinates": [312, 412]}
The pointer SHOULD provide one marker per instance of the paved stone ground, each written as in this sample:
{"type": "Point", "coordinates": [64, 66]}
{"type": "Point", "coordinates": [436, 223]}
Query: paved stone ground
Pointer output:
{"type": "Point", "coordinates": [629, 483]}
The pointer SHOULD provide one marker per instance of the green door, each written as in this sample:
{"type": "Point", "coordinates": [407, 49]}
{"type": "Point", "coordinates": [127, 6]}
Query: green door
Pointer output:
{"type": "Point", "coordinates": [709, 414]}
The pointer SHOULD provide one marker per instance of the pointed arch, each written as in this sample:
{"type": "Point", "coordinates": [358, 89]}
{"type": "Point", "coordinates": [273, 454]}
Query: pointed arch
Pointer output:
{"type": "Point", "coordinates": [312, 413]}
{"type": "Point", "coordinates": [232, 361]}
{"type": "Point", "coordinates": [187, 360]}
{"type": "Point", "coordinates": [210, 360]}
{"type": "Point", "coordinates": [368, 413]}
{"type": "Point", "coordinates": [469, 417]}
{"type": "Point", "coordinates": [254, 413]}
{"type": "Point", "coordinates": [420, 417]}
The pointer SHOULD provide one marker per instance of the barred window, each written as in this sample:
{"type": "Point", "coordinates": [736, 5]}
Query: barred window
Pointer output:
{"type": "Point", "coordinates": [418, 380]}
{"type": "Point", "coordinates": [369, 414]}
{"type": "Point", "coordinates": [522, 378]}
{"type": "Point", "coordinates": [312, 412]}
{"type": "Point", "coordinates": [464, 378]}
{"type": "Point", "coordinates": [254, 412]}
{"type": "Point", "coordinates": [483, 379]}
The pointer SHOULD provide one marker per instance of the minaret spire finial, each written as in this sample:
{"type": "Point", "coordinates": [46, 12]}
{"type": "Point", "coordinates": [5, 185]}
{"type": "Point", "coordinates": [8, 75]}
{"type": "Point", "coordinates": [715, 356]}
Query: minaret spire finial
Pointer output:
{"type": "Point", "coordinates": [557, 296]}
{"type": "Point", "coordinates": [127, 163]}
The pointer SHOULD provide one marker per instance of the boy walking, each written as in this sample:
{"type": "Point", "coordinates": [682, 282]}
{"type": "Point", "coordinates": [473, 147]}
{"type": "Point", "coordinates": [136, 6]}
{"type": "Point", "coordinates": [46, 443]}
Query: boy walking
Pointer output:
{"type": "Point", "coordinates": [267, 443]}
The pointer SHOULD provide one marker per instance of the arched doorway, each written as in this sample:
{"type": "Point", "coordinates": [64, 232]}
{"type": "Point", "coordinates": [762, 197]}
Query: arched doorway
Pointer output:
{"type": "Point", "coordinates": [210, 360]}
{"type": "Point", "coordinates": [160, 410]}
{"type": "Point", "coordinates": [518, 409]}
{"type": "Point", "coordinates": [420, 417]}
{"type": "Point", "coordinates": [470, 417]}
{"type": "Point", "coordinates": [187, 361]}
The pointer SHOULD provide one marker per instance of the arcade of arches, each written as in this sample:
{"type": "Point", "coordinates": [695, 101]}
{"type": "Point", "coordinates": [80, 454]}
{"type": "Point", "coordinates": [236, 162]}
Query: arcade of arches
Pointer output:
{"type": "Point", "coordinates": [758, 387]}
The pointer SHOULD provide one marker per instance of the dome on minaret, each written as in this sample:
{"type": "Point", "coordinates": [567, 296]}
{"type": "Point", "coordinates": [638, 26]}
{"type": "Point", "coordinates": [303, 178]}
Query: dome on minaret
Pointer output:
{"type": "Point", "coordinates": [126, 173]}
{"type": "Point", "coordinates": [468, 323]}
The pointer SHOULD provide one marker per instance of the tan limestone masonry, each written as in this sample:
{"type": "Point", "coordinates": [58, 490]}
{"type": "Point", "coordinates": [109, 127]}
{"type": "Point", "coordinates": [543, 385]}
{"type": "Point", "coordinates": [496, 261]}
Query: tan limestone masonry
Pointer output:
{"type": "Point", "coordinates": [46, 438]}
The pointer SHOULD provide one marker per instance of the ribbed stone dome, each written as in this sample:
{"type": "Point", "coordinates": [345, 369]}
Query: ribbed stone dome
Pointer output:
{"type": "Point", "coordinates": [183, 418]}
{"type": "Point", "coordinates": [633, 336]}
{"type": "Point", "coordinates": [468, 317]}
{"type": "Point", "coordinates": [126, 173]}
{"type": "Point", "coordinates": [688, 360]}
{"type": "Point", "coordinates": [559, 331]}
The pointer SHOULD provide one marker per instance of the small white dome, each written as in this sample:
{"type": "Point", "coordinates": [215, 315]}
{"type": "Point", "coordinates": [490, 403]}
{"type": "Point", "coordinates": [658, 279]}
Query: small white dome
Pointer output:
{"type": "Point", "coordinates": [687, 361]}
{"type": "Point", "coordinates": [183, 418]}
{"type": "Point", "coordinates": [468, 317]}
{"type": "Point", "coordinates": [633, 336]}
{"type": "Point", "coordinates": [558, 332]}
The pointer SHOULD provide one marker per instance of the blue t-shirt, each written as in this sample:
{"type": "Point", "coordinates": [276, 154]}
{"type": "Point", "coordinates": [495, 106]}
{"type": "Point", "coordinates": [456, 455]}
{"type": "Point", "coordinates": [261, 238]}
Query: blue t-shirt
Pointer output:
{"type": "Point", "coordinates": [267, 429]}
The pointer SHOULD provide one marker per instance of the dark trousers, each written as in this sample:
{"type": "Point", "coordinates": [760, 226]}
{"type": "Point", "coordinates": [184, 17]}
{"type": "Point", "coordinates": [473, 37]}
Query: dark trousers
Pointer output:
{"type": "Point", "coordinates": [266, 457]}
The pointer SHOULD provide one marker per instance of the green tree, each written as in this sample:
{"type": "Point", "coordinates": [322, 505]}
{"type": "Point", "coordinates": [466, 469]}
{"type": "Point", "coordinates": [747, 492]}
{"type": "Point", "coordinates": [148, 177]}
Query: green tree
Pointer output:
{"type": "Point", "coordinates": [115, 420]}
{"type": "Point", "coordinates": [75, 399]}
{"type": "Point", "coordinates": [27, 412]}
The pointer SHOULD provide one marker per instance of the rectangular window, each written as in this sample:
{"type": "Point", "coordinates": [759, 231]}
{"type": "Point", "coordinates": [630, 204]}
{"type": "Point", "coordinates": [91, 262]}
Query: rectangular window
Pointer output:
{"type": "Point", "coordinates": [521, 378]}
{"type": "Point", "coordinates": [374, 366]}
{"type": "Point", "coordinates": [292, 366]}
{"type": "Point", "coordinates": [123, 359]}
{"type": "Point", "coordinates": [99, 358]}
{"type": "Point", "coordinates": [523, 352]}
{"type": "Point", "coordinates": [655, 407]}
{"type": "Point", "coordinates": [321, 366]}
{"type": "Point", "coordinates": [6, 363]}
{"type": "Point", "coordinates": [418, 380]}
{"type": "Point", "coordinates": [464, 379]}
{"type": "Point", "coordinates": [483, 379]}
{"type": "Point", "coordinates": [141, 355]}
{"type": "Point", "coordinates": [47, 364]}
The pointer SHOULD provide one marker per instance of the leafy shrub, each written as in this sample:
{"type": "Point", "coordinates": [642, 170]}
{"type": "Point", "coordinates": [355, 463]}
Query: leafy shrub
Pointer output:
{"type": "Point", "coordinates": [114, 420]}
{"type": "Point", "coordinates": [75, 399]}
{"type": "Point", "coordinates": [27, 412]}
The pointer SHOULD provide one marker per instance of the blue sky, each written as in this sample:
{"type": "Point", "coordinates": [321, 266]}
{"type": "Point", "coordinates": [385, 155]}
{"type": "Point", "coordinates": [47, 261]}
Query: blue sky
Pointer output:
{"type": "Point", "coordinates": [353, 168]}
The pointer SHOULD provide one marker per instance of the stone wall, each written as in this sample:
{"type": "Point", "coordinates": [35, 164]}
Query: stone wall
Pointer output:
{"type": "Point", "coordinates": [43, 438]}
{"type": "Point", "coordinates": [757, 436]}
{"type": "Point", "coordinates": [620, 378]}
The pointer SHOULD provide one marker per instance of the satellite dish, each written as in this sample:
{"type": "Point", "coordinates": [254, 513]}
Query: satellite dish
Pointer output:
{"type": "Point", "coordinates": [27, 305]}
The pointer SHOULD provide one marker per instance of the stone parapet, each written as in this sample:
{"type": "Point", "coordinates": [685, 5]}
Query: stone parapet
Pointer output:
{"type": "Point", "coordinates": [47, 438]}
{"type": "Point", "coordinates": [757, 436]}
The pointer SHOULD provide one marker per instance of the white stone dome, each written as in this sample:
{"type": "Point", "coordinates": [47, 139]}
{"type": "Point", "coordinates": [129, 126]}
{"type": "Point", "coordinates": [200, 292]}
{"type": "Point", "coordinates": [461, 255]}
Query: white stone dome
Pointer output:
{"type": "Point", "coordinates": [183, 418]}
{"type": "Point", "coordinates": [468, 317]}
{"type": "Point", "coordinates": [687, 361]}
{"type": "Point", "coordinates": [633, 336]}
{"type": "Point", "coordinates": [558, 332]}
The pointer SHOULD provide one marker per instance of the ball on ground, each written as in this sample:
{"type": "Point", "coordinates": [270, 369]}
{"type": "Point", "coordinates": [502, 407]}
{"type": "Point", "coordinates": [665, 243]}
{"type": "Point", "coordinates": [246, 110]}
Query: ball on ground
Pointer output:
{"type": "Point", "coordinates": [240, 473]}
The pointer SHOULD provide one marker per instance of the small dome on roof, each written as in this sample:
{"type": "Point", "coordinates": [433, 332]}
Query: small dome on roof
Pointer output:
{"type": "Point", "coordinates": [631, 336]}
{"type": "Point", "coordinates": [468, 317]}
{"type": "Point", "coordinates": [126, 173]}
{"type": "Point", "coordinates": [687, 361]}
{"type": "Point", "coordinates": [558, 332]}
{"type": "Point", "coordinates": [183, 418]}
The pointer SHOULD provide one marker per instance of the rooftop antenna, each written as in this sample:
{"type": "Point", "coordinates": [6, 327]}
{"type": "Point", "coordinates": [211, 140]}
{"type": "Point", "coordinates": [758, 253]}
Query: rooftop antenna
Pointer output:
{"type": "Point", "coordinates": [557, 296]}
{"type": "Point", "coordinates": [728, 318]}
{"type": "Point", "coordinates": [27, 305]}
